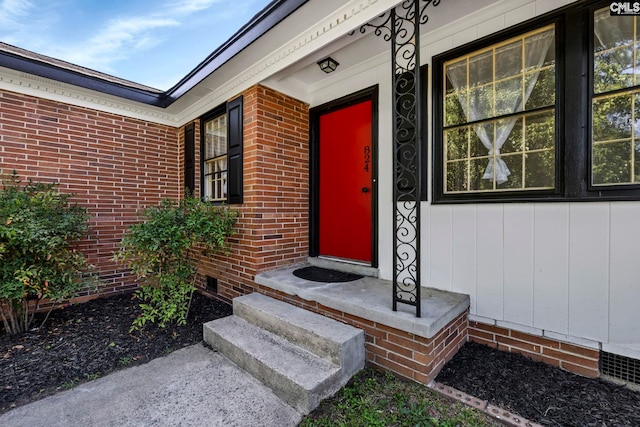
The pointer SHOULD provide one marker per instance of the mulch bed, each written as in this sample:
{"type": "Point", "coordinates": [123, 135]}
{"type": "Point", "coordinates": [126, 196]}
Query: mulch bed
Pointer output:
{"type": "Point", "coordinates": [539, 392]}
{"type": "Point", "coordinates": [85, 341]}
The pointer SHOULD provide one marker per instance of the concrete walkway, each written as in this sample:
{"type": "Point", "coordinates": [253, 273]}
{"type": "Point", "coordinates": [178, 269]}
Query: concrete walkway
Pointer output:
{"type": "Point", "coordinates": [194, 386]}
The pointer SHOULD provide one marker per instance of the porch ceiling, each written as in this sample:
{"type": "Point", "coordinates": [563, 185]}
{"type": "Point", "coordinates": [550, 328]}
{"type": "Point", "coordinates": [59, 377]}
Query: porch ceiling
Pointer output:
{"type": "Point", "coordinates": [352, 50]}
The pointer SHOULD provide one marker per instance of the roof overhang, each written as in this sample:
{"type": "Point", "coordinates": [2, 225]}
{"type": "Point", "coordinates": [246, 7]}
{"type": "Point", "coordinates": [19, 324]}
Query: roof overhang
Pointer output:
{"type": "Point", "coordinates": [284, 33]}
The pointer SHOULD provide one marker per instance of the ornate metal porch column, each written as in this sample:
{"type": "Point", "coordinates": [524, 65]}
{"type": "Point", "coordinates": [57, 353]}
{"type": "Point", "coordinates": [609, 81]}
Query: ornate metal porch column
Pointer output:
{"type": "Point", "coordinates": [401, 26]}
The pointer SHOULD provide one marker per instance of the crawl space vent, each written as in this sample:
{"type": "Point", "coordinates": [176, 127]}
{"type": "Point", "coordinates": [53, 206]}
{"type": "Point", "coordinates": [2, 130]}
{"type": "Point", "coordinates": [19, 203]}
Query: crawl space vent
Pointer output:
{"type": "Point", "coordinates": [212, 284]}
{"type": "Point", "coordinates": [620, 367]}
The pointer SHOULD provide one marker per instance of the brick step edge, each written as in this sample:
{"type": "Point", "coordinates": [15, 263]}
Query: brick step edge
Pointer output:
{"type": "Point", "coordinates": [502, 415]}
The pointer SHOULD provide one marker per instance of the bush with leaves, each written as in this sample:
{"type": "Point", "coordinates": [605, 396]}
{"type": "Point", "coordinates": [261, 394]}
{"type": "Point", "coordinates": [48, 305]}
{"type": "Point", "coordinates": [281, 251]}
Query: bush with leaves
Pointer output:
{"type": "Point", "coordinates": [164, 251]}
{"type": "Point", "coordinates": [38, 226]}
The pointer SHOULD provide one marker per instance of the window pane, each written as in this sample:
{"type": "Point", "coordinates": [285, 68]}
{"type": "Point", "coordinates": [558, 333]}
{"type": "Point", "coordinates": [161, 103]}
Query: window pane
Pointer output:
{"type": "Point", "coordinates": [456, 143]}
{"type": "Point", "coordinates": [485, 90]}
{"type": "Point", "coordinates": [477, 168]}
{"type": "Point", "coordinates": [215, 137]}
{"type": "Point", "coordinates": [481, 137]}
{"type": "Point", "coordinates": [540, 131]}
{"type": "Point", "coordinates": [539, 169]}
{"type": "Point", "coordinates": [513, 143]}
{"type": "Point", "coordinates": [509, 60]}
{"type": "Point", "coordinates": [509, 96]}
{"type": "Point", "coordinates": [543, 93]}
{"type": "Point", "coordinates": [514, 163]}
{"type": "Point", "coordinates": [454, 114]}
{"type": "Point", "coordinates": [216, 179]}
{"type": "Point", "coordinates": [614, 45]}
{"type": "Point", "coordinates": [481, 69]}
{"type": "Point", "coordinates": [456, 93]}
{"type": "Point", "coordinates": [612, 117]}
{"type": "Point", "coordinates": [480, 103]}
{"type": "Point", "coordinates": [456, 176]}
{"type": "Point", "coordinates": [612, 163]}
{"type": "Point", "coordinates": [540, 51]}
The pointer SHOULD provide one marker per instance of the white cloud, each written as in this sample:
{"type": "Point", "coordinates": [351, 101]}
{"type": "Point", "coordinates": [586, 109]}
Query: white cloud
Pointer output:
{"type": "Point", "coordinates": [187, 7]}
{"type": "Point", "coordinates": [12, 12]}
{"type": "Point", "coordinates": [119, 39]}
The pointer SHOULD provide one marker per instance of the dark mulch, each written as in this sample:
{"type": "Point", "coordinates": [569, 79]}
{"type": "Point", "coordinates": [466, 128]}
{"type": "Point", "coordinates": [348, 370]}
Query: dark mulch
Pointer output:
{"type": "Point", "coordinates": [85, 341]}
{"type": "Point", "coordinates": [539, 392]}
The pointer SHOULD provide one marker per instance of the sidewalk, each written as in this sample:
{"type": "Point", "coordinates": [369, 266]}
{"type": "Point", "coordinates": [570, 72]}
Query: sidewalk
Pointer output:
{"type": "Point", "coordinates": [194, 386]}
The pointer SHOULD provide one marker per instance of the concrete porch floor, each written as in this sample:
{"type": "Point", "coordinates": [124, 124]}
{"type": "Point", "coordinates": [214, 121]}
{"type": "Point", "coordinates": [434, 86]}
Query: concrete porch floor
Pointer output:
{"type": "Point", "coordinates": [371, 298]}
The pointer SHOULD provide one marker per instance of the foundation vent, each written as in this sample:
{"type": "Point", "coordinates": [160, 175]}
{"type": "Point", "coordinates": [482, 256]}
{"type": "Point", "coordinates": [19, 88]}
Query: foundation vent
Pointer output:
{"type": "Point", "coordinates": [212, 284]}
{"type": "Point", "coordinates": [620, 367]}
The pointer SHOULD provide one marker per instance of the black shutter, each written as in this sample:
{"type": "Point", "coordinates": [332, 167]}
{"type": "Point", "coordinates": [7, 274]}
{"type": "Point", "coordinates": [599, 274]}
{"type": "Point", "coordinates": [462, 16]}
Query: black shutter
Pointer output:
{"type": "Point", "coordinates": [189, 157]}
{"type": "Point", "coordinates": [424, 82]}
{"type": "Point", "coordinates": [234, 151]}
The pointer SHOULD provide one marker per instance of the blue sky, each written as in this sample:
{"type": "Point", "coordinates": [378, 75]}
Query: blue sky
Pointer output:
{"type": "Point", "coordinates": [152, 42]}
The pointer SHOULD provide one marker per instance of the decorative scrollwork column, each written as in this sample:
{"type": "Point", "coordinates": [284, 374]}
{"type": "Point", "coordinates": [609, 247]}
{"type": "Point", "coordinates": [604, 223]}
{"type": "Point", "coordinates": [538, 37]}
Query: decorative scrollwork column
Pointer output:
{"type": "Point", "coordinates": [405, 51]}
{"type": "Point", "coordinates": [401, 26]}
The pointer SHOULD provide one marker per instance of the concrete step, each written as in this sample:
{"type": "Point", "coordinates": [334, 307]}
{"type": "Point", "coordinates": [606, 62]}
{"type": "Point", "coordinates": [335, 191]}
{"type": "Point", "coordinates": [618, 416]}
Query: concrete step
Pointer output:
{"type": "Point", "coordinates": [336, 342]}
{"type": "Point", "coordinates": [297, 376]}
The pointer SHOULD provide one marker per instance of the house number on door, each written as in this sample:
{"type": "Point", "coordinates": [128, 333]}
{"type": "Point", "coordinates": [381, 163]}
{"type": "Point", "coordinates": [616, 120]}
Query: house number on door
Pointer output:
{"type": "Point", "coordinates": [367, 157]}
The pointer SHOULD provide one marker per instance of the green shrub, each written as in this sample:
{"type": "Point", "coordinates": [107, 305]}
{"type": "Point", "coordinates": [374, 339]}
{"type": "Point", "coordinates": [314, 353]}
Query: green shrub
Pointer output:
{"type": "Point", "coordinates": [38, 225]}
{"type": "Point", "coordinates": [164, 251]}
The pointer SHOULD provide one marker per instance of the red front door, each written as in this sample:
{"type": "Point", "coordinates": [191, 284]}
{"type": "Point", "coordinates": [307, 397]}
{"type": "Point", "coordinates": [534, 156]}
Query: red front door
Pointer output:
{"type": "Point", "coordinates": [346, 183]}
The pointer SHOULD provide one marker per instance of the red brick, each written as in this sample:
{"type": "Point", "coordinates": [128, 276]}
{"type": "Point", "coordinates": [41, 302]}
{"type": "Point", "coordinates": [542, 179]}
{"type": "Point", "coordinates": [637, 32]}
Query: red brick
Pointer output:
{"type": "Point", "coordinates": [411, 344]}
{"type": "Point", "coordinates": [580, 370]}
{"type": "Point", "coordinates": [582, 351]}
{"type": "Point", "coordinates": [489, 328]}
{"type": "Point", "coordinates": [487, 336]}
{"type": "Point", "coordinates": [478, 340]}
{"type": "Point", "coordinates": [401, 370]}
{"type": "Point", "coordinates": [534, 339]}
{"type": "Point", "coordinates": [572, 358]}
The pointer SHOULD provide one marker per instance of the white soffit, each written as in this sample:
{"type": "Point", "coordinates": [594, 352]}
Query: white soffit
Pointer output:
{"type": "Point", "coordinates": [40, 87]}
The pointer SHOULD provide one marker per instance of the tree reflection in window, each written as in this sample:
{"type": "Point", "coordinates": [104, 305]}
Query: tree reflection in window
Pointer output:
{"type": "Point", "coordinates": [616, 100]}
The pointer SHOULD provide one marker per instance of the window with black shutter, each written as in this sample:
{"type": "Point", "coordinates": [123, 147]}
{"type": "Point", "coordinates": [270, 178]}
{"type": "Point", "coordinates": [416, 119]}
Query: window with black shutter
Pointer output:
{"type": "Point", "coordinates": [221, 153]}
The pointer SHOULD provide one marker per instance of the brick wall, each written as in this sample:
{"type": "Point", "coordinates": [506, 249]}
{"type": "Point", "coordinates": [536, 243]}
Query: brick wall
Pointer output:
{"type": "Point", "coordinates": [571, 357]}
{"type": "Point", "coordinates": [274, 218]}
{"type": "Point", "coordinates": [115, 165]}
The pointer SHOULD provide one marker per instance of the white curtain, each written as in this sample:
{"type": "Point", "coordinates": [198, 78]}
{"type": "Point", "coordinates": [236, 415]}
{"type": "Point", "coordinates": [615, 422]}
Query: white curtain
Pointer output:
{"type": "Point", "coordinates": [493, 136]}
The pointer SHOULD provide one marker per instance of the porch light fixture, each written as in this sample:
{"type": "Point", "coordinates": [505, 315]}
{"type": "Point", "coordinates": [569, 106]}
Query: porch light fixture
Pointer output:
{"type": "Point", "coordinates": [328, 64]}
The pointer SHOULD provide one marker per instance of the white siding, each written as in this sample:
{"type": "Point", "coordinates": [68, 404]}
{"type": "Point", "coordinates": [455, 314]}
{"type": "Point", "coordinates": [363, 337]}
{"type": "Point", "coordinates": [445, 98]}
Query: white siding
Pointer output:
{"type": "Point", "coordinates": [464, 253]}
{"type": "Point", "coordinates": [589, 270]}
{"type": "Point", "coordinates": [518, 264]}
{"type": "Point", "coordinates": [624, 284]}
{"type": "Point", "coordinates": [490, 237]}
{"type": "Point", "coordinates": [441, 247]}
{"type": "Point", "coordinates": [551, 267]}
{"type": "Point", "coordinates": [568, 270]}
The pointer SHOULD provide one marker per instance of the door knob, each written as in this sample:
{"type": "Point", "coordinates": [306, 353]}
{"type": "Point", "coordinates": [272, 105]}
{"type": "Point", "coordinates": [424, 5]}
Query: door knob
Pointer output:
{"type": "Point", "coordinates": [365, 189]}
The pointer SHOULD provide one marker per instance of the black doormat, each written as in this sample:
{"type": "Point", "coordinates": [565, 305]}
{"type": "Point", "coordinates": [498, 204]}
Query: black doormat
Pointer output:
{"type": "Point", "coordinates": [324, 275]}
